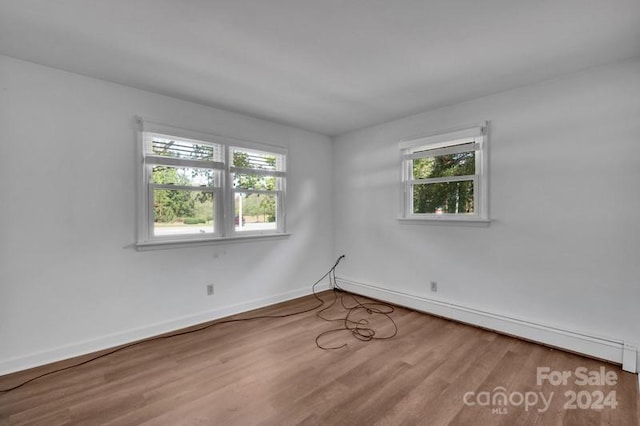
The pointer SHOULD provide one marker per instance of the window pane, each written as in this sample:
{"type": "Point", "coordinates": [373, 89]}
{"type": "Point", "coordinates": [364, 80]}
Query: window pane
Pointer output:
{"type": "Point", "coordinates": [255, 212]}
{"type": "Point", "coordinates": [184, 148]}
{"type": "Point", "coordinates": [443, 198]}
{"type": "Point", "coordinates": [246, 181]}
{"type": "Point", "coordinates": [461, 164]}
{"type": "Point", "coordinates": [185, 176]}
{"type": "Point", "coordinates": [258, 160]}
{"type": "Point", "coordinates": [177, 212]}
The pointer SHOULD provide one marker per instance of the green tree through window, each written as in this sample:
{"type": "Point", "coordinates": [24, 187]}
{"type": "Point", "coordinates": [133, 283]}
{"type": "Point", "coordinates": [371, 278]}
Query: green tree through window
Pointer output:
{"type": "Point", "coordinates": [191, 183]}
{"type": "Point", "coordinates": [174, 205]}
{"type": "Point", "coordinates": [256, 204]}
{"type": "Point", "coordinates": [445, 176]}
{"type": "Point", "coordinates": [445, 197]}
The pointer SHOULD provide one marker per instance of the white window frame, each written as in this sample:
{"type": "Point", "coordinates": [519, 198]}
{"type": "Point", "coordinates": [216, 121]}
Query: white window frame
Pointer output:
{"type": "Point", "coordinates": [224, 216]}
{"type": "Point", "coordinates": [460, 139]}
{"type": "Point", "coordinates": [279, 191]}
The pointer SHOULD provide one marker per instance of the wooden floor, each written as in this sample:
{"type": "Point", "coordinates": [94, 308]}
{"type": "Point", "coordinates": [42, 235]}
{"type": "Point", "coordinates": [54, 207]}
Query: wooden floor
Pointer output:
{"type": "Point", "coordinates": [270, 372]}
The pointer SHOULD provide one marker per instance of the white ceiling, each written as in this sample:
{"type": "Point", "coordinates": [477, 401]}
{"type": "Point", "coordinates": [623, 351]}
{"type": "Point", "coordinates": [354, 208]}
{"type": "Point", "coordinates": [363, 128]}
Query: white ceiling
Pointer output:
{"type": "Point", "coordinates": [329, 66]}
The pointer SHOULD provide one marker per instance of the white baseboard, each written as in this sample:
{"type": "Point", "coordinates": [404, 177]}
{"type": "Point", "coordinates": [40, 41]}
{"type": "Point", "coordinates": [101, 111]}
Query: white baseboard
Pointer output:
{"type": "Point", "coordinates": [116, 339]}
{"type": "Point", "coordinates": [613, 350]}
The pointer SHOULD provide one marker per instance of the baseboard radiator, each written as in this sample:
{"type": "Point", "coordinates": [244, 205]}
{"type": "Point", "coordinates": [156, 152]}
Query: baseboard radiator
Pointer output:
{"type": "Point", "coordinates": [612, 350]}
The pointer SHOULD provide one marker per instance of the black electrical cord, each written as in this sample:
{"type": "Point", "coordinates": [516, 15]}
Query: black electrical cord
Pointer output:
{"type": "Point", "coordinates": [361, 329]}
{"type": "Point", "coordinates": [356, 327]}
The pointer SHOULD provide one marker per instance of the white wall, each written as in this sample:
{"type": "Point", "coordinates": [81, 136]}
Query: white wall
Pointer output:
{"type": "Point", "coordinates": [563, 248]}
{"type": "Point", "coordinates": [70, 280]}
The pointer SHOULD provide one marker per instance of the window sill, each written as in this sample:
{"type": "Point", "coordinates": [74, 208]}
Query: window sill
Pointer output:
{"type": "Point", "coordinates": [170, 244]}
{"type": "Point", "coordinates": [447, 221]}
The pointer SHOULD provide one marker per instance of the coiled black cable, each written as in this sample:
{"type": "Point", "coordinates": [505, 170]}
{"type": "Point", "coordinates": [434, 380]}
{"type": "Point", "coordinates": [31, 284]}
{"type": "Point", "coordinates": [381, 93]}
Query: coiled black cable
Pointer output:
{"type": "Point", "coordinates": [361, 329]}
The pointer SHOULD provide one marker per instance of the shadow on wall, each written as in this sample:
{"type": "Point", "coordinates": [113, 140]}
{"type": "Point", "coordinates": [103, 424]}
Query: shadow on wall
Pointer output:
{"type": "Point", "coordinates": [301, 223]}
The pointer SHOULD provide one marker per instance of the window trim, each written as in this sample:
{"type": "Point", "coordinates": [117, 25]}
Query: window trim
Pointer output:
{"type": "Point", "coordinates": [443, 143]}
{"type": "Point", "coordinates": [224, 227]}
{"type": "Point", "coordinates": [278, 192]}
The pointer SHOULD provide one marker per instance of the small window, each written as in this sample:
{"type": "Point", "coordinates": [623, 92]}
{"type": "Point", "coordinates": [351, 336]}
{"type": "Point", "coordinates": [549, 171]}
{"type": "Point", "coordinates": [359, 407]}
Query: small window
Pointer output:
{"type": "Point", "coordinates": [444, 176]}
{"type": "Point", "coordinates": [198, 187]}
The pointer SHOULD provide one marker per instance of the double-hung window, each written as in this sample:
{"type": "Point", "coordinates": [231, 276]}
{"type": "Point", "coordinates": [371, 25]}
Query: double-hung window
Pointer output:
{"type": "Point", "coordinates": [444, 176]}
{"type": "Point", "coordinates": [258, 189]}
{"type": "Point", "coordinates": [198, 187]}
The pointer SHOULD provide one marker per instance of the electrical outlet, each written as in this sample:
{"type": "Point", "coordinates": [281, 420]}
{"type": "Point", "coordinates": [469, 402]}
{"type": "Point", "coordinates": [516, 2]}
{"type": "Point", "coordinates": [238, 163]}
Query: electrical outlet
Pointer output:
{"type": "Point", "coordinates": [434, 286]}
{"type": "Point", "coordinates": [209, 289]}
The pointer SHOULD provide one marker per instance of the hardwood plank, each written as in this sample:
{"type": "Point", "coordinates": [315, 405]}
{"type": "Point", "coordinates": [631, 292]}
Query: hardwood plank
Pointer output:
{"type": "Point", "coordinates": [270, 372]}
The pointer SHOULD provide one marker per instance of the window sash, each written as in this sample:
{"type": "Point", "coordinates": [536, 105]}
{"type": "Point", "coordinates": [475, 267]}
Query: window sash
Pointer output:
{"type": "Point", "coordinates": [158, 160]}
{"type": "Point", "coordinates": [280, 213]}
{"type": "Point", "coordinates": [169, 186]}
{"type": "Point", "coordinates": [410, 191]}
{"type": "Point", "coordinates": [261, 172]}
{"type": "Point", "coordinates": [217, 212]}
{"type": "Point", "coordinates": [442, 179]}
{"type": "Point", "coordinates": [256, 191]}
